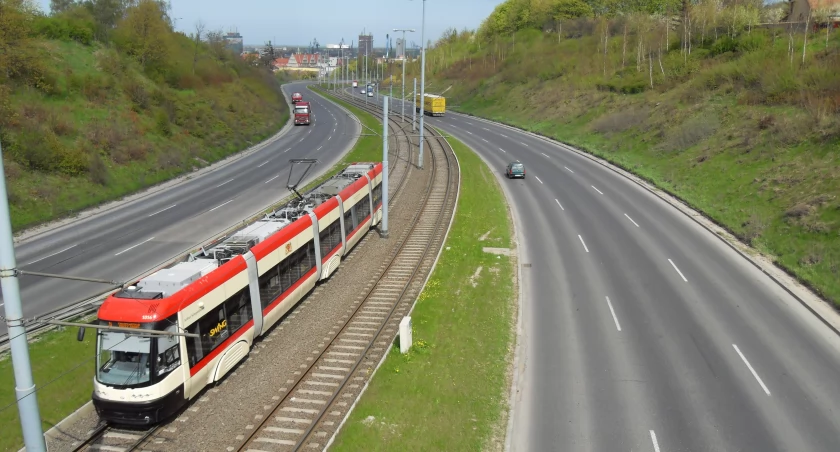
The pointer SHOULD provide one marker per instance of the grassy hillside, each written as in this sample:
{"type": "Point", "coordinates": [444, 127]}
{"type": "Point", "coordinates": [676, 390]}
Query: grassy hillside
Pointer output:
{"type": "Point", "coordinates": [744, 127]}
{"type": "Point", "coordinates": [91, 110]}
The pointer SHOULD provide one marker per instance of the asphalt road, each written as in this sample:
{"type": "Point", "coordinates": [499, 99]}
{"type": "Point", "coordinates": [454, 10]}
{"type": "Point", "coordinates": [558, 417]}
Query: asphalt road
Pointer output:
{"type": "Point", "coordinates": [642, 331]}
{"type": "Point", "coordinates": [130, 239]}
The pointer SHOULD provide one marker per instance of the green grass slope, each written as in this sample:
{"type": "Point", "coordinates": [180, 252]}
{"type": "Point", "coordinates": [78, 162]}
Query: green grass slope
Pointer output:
{"type": "Point", "coordinates": [84, 120]}
{"type": "Point", "coordinates": [741, 128]}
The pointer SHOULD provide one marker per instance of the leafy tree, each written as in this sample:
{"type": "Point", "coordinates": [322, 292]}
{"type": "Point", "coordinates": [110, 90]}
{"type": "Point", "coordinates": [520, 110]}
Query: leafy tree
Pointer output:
{"type": "Point", "coordinates": [16, 20]}
{"type": "Point", "coordinates": [106, 14]}
{"type": "Point", "coordinates": [60, 6]}
{"type": "Point", "coordinates": [143, 34]}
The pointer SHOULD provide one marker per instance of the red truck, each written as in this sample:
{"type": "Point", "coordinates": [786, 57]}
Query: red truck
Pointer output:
{"type": "Point", "coordinates": [297, 97]}
{"type": "Point", "coordinates": [302, 113]}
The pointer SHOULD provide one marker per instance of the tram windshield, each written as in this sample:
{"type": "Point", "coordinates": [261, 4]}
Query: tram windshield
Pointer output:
{"type": "Point", "coordinates": [123, 359]}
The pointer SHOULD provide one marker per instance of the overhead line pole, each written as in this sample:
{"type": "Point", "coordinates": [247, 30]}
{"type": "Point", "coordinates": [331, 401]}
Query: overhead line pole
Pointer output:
{"type": "Point", "coordinates": [384, 231]}
{"type": "Point", "coordinates": [422, 83]}
{"type": "Point", "coordinates": [27, 400]}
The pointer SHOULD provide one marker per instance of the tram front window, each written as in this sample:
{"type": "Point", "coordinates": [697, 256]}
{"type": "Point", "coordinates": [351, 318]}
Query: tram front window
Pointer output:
{"type": "Point", "coordinates": [122, 359]}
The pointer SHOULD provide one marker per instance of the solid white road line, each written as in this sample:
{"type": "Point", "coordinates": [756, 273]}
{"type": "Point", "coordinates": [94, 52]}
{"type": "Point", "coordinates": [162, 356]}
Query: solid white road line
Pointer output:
{"type": "Point", "coordinates": [677, 269]}
{"type": "Point", "coordinates": [546, 155]}
{"type": "Point", "coordinates": [135, 246]}
{"type": "Point", "coordinates": [217, 186]}
{"type": "Point", "coordinates": [655, 442]}
{"type": "Point", "coordinates": [539, 179]}
{"type": "Point", "coordinates": [569, 169]}
{"type": "Point", "coordinates": [751, 369]}
{"type": "Point", "coordinates": [631, 220]}
{"type": "Point", "coordinates": [263, 163]}
{"type": "Point", "coordinates": [583, 243]}
{"type": "Point", "coordinates": [599, 191]}
{"type": "Point", "coordinates": [558, 203]}
{"type": "Point", "coordinates": [275, 177]}
{"type": "Point", "coordinates": [162, 210]}
{"type": "Point", "coordinates": [51, 255]}
{"type": "Point", "coordinates": [220, 205]}
{"type": "Point", "coordinates": [613, 314]}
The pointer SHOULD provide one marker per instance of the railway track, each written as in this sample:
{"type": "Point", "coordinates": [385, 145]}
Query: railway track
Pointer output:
{"type": "Point", "coordinates": [109, 438]}
{"type": "Point", "coordinates": [308, 412]}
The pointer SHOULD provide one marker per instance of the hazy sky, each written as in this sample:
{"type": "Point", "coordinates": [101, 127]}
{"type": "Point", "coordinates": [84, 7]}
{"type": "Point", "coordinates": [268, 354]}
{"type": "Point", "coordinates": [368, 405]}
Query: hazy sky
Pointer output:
{"type": "Point", "coordinates": [299, 21]}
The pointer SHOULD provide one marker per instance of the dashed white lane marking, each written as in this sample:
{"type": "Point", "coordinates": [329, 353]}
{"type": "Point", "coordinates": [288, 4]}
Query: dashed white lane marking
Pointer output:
{"type": "Point", "coordinates": [161, 210]}
{"type": "Point", "coordinates": [655, 442]}
{"type": "Point", "coordinates": [485, 128]}
{"type": "Point", "coordinates": [225, 182]}
{"type": "Point", "coordinates": [287, 150]}
{"type": "Point", "coordinates": [220, 205]}
{"type": "Point", "coordinates": [583, 243]}
{"type": "Point", "coordinates": [135, 246]}
{"type": "Point", "coordinates": [51, 255]}
{"type": "Point", "coordinates": [631, 220]}
{"type": "Point", "coordinates": [558, 203]}
{"type": "Point", "coordinates": [599, 191]}
{"type": "Point", "coordinates": [468, 122]}
{"type": "Point", "coordinates": [524, 144]}
{"type": "Point", "coordinates": [751, 369]}
{"type": "Point", "coordinates": [503, 135]}
{"type": "Point", "coordinates": [677, 269]}
{"type": "Point", "coordinates": [485, 140]}
{"type": "Point", "coordinates": [263, 163]}
{"type": "Point", "coordinates": [319, 148]}
{"type": "Point", "coordinates": [567, 168]}
{"type": "Point", "coordinates": [613, 314]}
{"type": "Point", "coordinates": [469, 132]}
{"type": "Point", "coordinates": [329, 138]}
{"type": "Point", "coordinates": [502, 150]}
{"type": "Point", "coordinates": [546, 155]}
{"type": "Point", "coordinates": [275, 177]}
{"type": "Point", "coordinates": [539, 179]}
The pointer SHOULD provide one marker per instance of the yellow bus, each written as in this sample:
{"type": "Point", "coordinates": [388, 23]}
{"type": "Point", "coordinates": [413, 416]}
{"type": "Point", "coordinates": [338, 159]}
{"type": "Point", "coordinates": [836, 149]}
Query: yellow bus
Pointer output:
{"type": "Point", "coordinates": [434, 105]}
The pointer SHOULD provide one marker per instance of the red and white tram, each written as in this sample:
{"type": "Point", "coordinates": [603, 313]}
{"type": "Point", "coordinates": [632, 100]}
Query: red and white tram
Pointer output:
{"type": "Point", "coordinates": [228, 295]}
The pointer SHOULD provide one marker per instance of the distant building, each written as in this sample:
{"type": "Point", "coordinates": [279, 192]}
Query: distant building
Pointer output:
{"type": "Point", "coordinates": [400, 49]}
{"type": "Point", "coordinates": [233, 41]}
{"type": "Point", "coordinates": [801, 9]}
{"type": "Point", "coordinates": [365, 45]}
{"type": "Point", "coordinates": [299, 62]}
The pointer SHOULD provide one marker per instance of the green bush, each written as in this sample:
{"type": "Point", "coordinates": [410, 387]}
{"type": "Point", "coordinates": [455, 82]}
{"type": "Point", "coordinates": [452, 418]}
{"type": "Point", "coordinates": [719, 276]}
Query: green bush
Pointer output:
{"type": "Point", "coordinates": [724, 45]}
{"type": "Point", "coordinates": [65, 28]}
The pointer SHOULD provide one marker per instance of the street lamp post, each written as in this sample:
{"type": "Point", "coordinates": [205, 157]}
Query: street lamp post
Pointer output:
{"type": "Point", "coordinates": [422, 83]}
{"type": "Point", "coordinates": [402, 101]}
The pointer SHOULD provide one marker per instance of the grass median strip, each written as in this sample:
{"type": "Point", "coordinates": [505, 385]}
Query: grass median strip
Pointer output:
{"type": "Point", "coordinates": [67, 365]}
{"type": "Point", "coordinates": [450, 391]}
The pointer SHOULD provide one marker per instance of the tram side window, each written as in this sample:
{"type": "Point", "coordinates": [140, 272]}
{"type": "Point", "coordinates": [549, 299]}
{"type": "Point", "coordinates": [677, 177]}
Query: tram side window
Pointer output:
{"type": "Point", "coordinates": [311, 258]}
{"type": "Point", "coordinates": [169, 354]}
{"type": "Point", "coordinates": [238, 309]}
{"type": "Point", "coordinates": [377, 195]}
{"type": "Point", "coordinates": [330, 238]}
{"type": "Point", "coordinates": [305, 262]}
{"type": "Point", "coordinates": [212, 329]}
{"type": "Point", "coordinates": [349, 225]}
{"type": "Point", "coordinates": [270, 285]}
{"type": "Point", "coordinates": [361, 210]}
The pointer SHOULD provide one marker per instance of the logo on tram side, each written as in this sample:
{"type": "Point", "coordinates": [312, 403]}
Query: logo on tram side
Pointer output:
{"type": "Point", "coordinates": [221, 326]}
{"type": "Point", "coordinates": [288, 248]}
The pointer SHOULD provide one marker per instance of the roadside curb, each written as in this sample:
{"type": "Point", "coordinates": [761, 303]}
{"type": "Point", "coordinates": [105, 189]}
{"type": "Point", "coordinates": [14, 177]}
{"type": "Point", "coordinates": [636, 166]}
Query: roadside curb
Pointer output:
{"type": "Point", "coordinates": [820, 308]}
{"type": "Point", "coordinates": [93, 211]}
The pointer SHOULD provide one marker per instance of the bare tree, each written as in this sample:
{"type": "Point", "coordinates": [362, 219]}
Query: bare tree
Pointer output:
{"type": "Point", "coordinates": [805, 38]}
{"type": "Point", "coordinates": [199, 31]}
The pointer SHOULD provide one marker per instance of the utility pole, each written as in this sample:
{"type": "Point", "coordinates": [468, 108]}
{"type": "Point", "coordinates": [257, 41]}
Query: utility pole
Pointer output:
{"type": "Point", "coordinates": [384, 231]}
{"type": "Point", "coordinates": [414, 107]}
{"type": "Point", "coordinates": [422, 83]}
{"type": "Point", "coordinates": [404, 57]}
{"type": "Point", "coordinates": [27, 400]}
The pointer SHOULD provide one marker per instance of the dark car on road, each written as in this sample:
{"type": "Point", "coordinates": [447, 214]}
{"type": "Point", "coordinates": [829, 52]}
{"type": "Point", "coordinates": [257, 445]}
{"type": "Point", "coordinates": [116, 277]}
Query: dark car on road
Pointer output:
{"type": "Point", "coordinates": [515, 169]}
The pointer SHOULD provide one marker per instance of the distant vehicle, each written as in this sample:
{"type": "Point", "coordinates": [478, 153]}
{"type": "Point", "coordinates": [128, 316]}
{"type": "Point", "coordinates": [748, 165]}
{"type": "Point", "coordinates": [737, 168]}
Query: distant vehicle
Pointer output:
{"type": "Point", "coordinates": [433, 105]}
{"type": "Point", "coordinates": [370, 93]}
{"type": "Point", "coordinates": [303, 113]}
{"type": "Point", "coordinates": [363, 91]}
{"type": "Point", "coordinates": [355, 84]}
{"type": "Point", "coordinates": [297, 97]}
{"type": "Point", "coordinates": [515, 169]}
